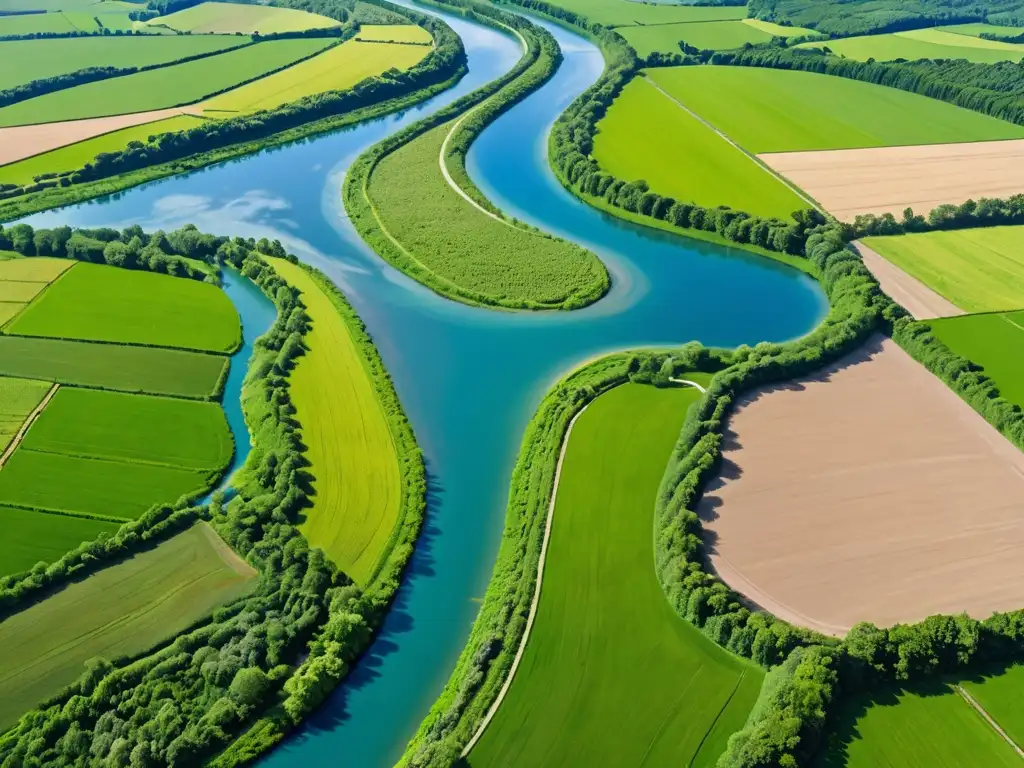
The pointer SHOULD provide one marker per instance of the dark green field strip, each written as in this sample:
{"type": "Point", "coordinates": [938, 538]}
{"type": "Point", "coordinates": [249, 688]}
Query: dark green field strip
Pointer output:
{"type": "Point", "coordinates": [611, 676]}
{"type": "Point", "coordinates": [164, 87]}
{"type": "Point", "coordinates": [133, 428]}
{"type": "Point", "coordinates": [32, 537]}
{"type": "Point", "coordinates": [22, 61]}
{"type": "Point", "coordinates": [1001, 695]}
{"type": "Point", "coordinates": [113, 366]}
{"type": "Point", "coordinates": [50, 481]}
{"type": "Point", "coordinates": [995, 342]}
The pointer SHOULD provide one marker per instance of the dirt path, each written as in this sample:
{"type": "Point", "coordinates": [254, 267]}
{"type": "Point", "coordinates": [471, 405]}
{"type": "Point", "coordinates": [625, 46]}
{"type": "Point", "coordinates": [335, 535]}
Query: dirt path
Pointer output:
{"type": "Point", "coordinates": [907, 291]}
{"type": "Point", "coordinates": [28, 423]}
{"type": "Point", "coordinates": [689, 383]}
{"type": "Point", "coordinates": [988, 718]}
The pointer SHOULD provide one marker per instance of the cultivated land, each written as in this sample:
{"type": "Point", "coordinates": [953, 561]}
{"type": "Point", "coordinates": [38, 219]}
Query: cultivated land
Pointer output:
{"type": "Point", "coordinates": [684, 158]}
{"type": "Point", "coordinates": [617, 13]}
{"type": "Point", "coordinates": [18, 398]}
{"type": "Point", "coordinates": [1002, 695]}
{"type": "Point", "coordinates": [113, 366]}
{"type": "Point", "coordinates": [901, 729]}
{"type": "Point", "coordinates": [32, 537]}
{"type": "Point", "coordinates": [889, 179]}
{"type": "Point", "coordinates": [773, 110]}
{"type": "Point", "coordinates": [841, 499]}
{"type": "Point", "coordinates": [337, 69]}
{"type": "Point", "coordinates": [716, 35]}
{"type": "Point", "coordinates": [923, 44]}
{"type": "Point", "coordinates": [164, 87]}
{"type": "Point", "coordinates": [466, 249]}
{"type": "Point", "coordinates": [99, 303]}
{"type": "Point", "coordinates": [979, 270]}
{"type": "Point", "coordinates": [22, 61]}
{"type": "Point", "coordinates": [611, 675]}
{"type": "Point", "coordinates": [357, 490]}
{"type": "Point", "coordinates": [229, 18]}
{"type": "Point", "coordinates": [995, 342]}
{"type": "Point", "coordinates": [39, 269]}
{"type": "Point", "coordinates": [910, 293]}
{"type": "Point", "coordinates": [394, 33]}
{"type": "Point", "coordinates": [132, 606]}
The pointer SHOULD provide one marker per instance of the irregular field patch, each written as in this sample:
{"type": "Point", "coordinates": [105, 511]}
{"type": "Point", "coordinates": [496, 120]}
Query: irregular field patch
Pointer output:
{"type": "Point", "coordinates": [38, 269]}
{"type": "Point", "coordinates": [339, 68]}
{"type": "Point", "coordinates": [132, 606]}
{"type": "Point", "coordinates": [394, 33]}
{"type": "Point", "coordinates": [923, 44]}
{"type": "Point", "coordinates": [889, 179]}
{"type": "Point", "coordinates": [112, 366]}
{"type": "Point", "coordinates": [9, 310]}
{"type": "Point", "coordinates": [918, 299]}
{"type": "Point", "coordinates": [617, 13]}
{"type": "Point", "coordinates": [357, 487]}
{"type": "Point", "coordinates": [993, 341]}
{"type": "Point", "coordinates": [230, 18]}
{"type": "Point", "coordinates": [716, 35]}
{"type": "Point", "coordinates": [611, 675]}
{"type": "Point", "coordinates": [684, 158]}
{"type": "Point", "coordinates": [19, 291]}
{"type": "Point", "coordinates": [133, 428]}
{"type": "Point", "coordinates": [841, 499]}
{"type": "Point", "coordinates": [30, 24]}
{"type": "Point", "coordinates": [774, 110]}
{"type": "Point", "coordinates": [32, 537]}
{"type": "Point", "coordinates": [18, 398]}
{"type": "Point", "coordinates": [101, 303]}
{"type": "Point", "coordinates": [164, 87]}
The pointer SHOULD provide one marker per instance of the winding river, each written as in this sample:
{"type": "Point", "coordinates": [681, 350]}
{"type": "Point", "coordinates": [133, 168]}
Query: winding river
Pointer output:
{"type": "Point", "coordinates": [469, 378]}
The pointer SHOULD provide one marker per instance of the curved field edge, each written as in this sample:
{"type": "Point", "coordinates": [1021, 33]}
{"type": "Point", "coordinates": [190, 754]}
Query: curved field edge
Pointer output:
{"type": "Point", "coordinates": [286, 124]}
{"type": "Point", "coordinates": [479, 109]}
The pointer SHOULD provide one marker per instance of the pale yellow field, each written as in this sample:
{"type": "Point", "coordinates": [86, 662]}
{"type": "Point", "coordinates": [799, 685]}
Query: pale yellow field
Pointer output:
{"type": "Point", "coordinates": [395, 33]}
{"type": "Point", "coordinates": [358, 489]}
{"type": "Point", "coordinates": [37, 269]}
{"type": "Point", "coordinates": [335, 69]}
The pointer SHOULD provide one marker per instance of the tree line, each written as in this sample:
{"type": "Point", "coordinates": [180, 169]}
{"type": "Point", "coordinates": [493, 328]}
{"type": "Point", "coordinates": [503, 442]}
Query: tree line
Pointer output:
{"type": "Point", "coordinates": [864, 17]}
{"type": "Point", "coordinates": [985, 212]}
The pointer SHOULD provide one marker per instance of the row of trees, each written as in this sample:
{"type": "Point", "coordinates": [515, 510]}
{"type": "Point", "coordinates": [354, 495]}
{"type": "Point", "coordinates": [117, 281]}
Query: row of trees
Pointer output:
{"type": "Point", "coordinates": [986, 212]}
{"type": "Point", "coordinates": [863, 17]}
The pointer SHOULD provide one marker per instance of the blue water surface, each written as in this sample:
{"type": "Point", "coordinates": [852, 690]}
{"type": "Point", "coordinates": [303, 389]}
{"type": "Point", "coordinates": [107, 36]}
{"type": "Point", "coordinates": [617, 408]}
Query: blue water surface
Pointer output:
{"type": "Point", "coordinates": [469, 378]}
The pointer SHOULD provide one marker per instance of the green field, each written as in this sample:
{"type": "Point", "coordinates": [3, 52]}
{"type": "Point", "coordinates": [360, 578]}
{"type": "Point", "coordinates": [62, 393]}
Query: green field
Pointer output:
{"type": "Point", "coordinates": [923, 44]}
{"type": "Point", "coordinates": [975, 30]}
{"type": "Point", "coordinates": [461, 247]}
{"type": "Point", "coordinates": [24, 60]}
{"type": "Point", "coordinates": [229, 18]}
{"type": "Point", "coordinates": [979, 270]}
{"type": "Point", "coordinates": [18, 398]}
{"type": "Point", "coordinates": [133, 428]}
{"type": "Point", "coordinates": [341, 67]}
{"type": "Point", "coordinates": [1002, 695]}
{"type": "Point", "coordinates": [35, 537]}
{"type": "Point", "coordinates": [994, 341]}
{"type": "Point", "coordinates": [617, 13]}
{"type": "Point", "coordinates": [357, 487]}
{"type": "Point", "coordinates": [39, 269]}
{"type": "Point", "coordinates": [395, 33]}
{"type": "Point", "coordinates": [611, 676]}
{"type": "Point", "coordinates": [100, 303]}
{"type": "Point", "coordinates": [164, 87]}
{"type": "Point", "coordinates": [112, 366]}
{"type": "Point", "coordinates": [31, 24]}
{"type": "Point", "coordinates": [74, 156]}
{"type": "Point", "coordinates": [773, 110]}
{"type": "Point", "coordinates": [19, 291]}
{"type": "Point", "coordinates": [716, 35]}
{"type": "Point", "coordinates": [9, 310]}
{"type": "Point", "coordinates": [937, 729]}
{"type": "Point", "coordinates": [684, 158]}
{"type": "Point", "coordinates": [132, 606]}
{"type": "Point", "coordinates": [93, 487]}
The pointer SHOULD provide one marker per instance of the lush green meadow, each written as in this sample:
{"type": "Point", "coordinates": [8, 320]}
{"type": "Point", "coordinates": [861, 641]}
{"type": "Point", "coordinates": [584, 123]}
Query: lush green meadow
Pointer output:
{"type": "Point", "coordinates": [53, 23]}
{"type": "Point", "coordinates": [99, 303]}
{"type": "Point", "coordinates": [112, 366]}
{"type": "Point", "coordinates": [618, 13]}
{"type": "Point", "coordinates": [716, 35]}
{"type": "Point", "coordinates": [773, 110]}
{"type": "Point", "coordinates": [32, 537]}
{"type": "Point", "coordinates": [684, 158]}
{"type": "Point", "coordinates": [611, 675]}
{"type": "Point", "coordinates": [976, 29]}
{"type": "Point", "coordinates": [18, 398]}
{"type": "Point", "coordinates": [466, 251]}
{"type": "Point", "coordinates": [394, 33]}
{"type": "Point", "coordinates": [74, 156]}
{"type": "Point", "coordinates": [133, 428]}
{"type": "Point", "coordinates": [22, 61]}
{"type": "Point", "coordinates": [230, 18]}
{"type": "Point", "coordinates": [1001, 694]}
{"type": "Point", "coordinates": [995, 341]}
{"type": "Point", "coordinates": [937, 729]}
{"type": "Point", "coordinates": [923, 44]}
{"type": "Point", "coordinates": [163, 87]}
{"type": "Point", "coordinates": [132, 606]}
{"type": "Point", "coordinates": [979, 270]}
{"type": "Point", "coordinates": [357, 492]}
{"type": "Point", "coordinates": [341, 67]}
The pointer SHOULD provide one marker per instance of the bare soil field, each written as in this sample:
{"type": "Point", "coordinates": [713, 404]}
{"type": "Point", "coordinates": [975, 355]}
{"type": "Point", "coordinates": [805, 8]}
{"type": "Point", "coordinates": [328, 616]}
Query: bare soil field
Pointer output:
{"type": "Point", "coordinates": [907, 291]}
{"type": "Point", "coordinates": [869, 492]}
{"type": "Point", "coordinates": [23, 141]}
{"type": "Point", "coordinates": [888, 179]}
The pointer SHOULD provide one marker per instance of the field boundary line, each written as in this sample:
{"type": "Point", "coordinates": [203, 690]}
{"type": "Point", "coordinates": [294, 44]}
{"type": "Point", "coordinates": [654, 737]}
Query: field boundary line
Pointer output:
{"type": "Point", "coordinates": [29, 421]}
{"type": "Point", "coordinates": [750, 155]}
{"type": "Point", "coordinates": [79, 515]}
{"type": "Point", "coordinates": [536, 591]}
{"type": "Point", "coordinates": [988, 718]}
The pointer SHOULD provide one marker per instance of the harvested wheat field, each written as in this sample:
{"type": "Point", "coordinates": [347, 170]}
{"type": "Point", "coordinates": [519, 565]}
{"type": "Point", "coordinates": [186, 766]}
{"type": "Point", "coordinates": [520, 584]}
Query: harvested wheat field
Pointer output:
{"type": "Point", "coordinates": [888, 179]}
{"type": "Point", "coordinates": [870, 492]}
{"type": "Point", "coordinates": [910, 293]}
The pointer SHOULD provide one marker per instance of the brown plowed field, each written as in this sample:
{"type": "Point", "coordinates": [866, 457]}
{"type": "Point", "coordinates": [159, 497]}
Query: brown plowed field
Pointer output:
{"type": "Point", "coordinates": [870, 492]}
{"type": "Point", "coordinates": [888, 179]}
